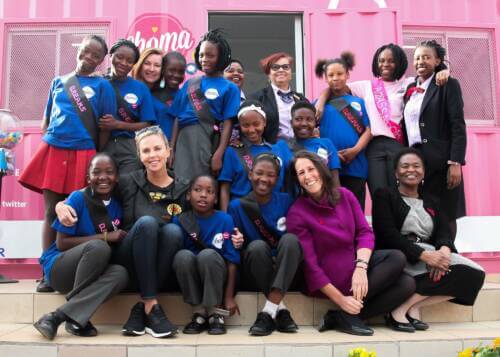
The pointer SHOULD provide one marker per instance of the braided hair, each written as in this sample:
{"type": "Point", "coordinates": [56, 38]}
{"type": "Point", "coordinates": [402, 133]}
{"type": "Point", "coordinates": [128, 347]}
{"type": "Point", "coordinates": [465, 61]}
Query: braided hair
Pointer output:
{"type": "Point", "coordinates": [215, 37]}
{"type": "Point", "coordinates": [346, 59]}
{"type": "Point", "coordinates": [174, 55]}
{"type": "Point", "coordinates": [439, 50]}
{"type": "Point", "coordinates": [127, 43]}
{"type": "Point", "coordinates": [400, 60]}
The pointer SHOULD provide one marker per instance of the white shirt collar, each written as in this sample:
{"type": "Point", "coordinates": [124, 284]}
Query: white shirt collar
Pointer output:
{"type": "Point", "coordinates": [276, 89]}
{"type": "Point", "coordinates": [426, 83]}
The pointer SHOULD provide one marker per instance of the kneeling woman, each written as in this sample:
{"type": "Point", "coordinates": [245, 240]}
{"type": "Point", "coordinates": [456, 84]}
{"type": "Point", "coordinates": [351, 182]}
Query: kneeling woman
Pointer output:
{"type": "Point", "coordinates": [405, 220]}
{"type": "Point", "coordinates": [77, 263]}
{"type": "Point", "coordinates": [338, 244]}
{"type": "Point", "coordinates": [271, 256]}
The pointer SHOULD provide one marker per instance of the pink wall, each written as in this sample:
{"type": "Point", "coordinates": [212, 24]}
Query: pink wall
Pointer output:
{"type": "Point", "coordinates": [358, 25]}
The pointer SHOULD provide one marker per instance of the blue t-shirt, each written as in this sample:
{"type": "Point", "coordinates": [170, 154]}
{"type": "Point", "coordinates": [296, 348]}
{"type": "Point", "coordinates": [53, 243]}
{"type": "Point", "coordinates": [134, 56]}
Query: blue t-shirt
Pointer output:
{"type": "Point", "coordinates": [222, 96]}
{"type": "Point", "coordinates": [323, 147]}
{"type": "Point", "coordinates": [164, 117]}
{"type": "Point", "coordinates": [138, 97]}
{"type": "Point", "coordinates": [65, 129]}
{"type": "Point", "coordinates": [83, 227]}
{"type": "Point", "coordinates": [234, 172]}
{"type": "Point", "coordinates": [335, 127]}
{"type": "Point", "coordinates": [215, 232]}
{"type": "Point", "coordinates": [274, 214]}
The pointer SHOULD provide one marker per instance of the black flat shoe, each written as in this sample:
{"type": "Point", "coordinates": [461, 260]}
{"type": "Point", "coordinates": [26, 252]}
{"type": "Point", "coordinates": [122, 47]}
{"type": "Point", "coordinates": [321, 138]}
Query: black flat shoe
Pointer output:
{"type": "Point", "coordinates": [344, 322]}
{"type": "Point", "coordinates": [284, 322]}
{"type": "Point", "coordinates": [44, 287]}
{"type": "Point", "coordinates": [88, 331]}
{"type": "Point", "coordinates": [47, 325]}
{"type": "Point", "coordinates": [198, 324]}
{"type": "Point", "coordinates": [398, 326]}
{"type": "Point", "coordinates": [418, 324]}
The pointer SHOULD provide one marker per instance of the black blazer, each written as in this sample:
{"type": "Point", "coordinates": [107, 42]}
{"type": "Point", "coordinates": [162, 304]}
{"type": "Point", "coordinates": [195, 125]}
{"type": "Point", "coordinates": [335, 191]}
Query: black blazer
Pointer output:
{"type": "Point", "coordinates": [442, 125]}
{"type": "Point", "coordinates": [388, 214]}
{"type": "Point", "coordinates": [268, 100]}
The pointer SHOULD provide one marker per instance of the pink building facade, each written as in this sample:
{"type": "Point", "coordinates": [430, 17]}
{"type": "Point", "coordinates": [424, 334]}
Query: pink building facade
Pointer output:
{"type": "Point", "coordinates": [38, 40]}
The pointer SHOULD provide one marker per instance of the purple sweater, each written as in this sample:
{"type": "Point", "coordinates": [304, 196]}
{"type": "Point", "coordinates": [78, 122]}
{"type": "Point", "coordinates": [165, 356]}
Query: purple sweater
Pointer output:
{"type": "Point", "coordinates": [329, 238]}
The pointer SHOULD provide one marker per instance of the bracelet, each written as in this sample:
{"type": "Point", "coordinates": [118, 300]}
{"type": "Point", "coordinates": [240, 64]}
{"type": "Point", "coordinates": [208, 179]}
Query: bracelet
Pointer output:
{"type": "Point", "coordinates": [454, 163]}
{"type": "Point", "coordinates": [360, 267]}
{"type": "Point", "coordinates": [106, 236]}
{"type": "Point", "coordinates": [361, 261]}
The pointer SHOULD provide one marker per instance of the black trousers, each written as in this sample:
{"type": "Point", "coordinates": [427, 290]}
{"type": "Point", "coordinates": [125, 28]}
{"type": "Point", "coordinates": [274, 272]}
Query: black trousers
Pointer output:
{"type": "Point", "coordinates": [388, 285]}
{"type": "Point", "coordinates": [356, 185]}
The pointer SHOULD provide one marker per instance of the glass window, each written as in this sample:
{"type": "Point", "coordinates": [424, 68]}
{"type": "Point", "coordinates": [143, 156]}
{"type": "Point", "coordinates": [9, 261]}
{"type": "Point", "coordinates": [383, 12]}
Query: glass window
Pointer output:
{"type": "Point", "coordinates": [255, 36]}
{"type": "Point", "coordinates": [34, 55]}
{"type": "Point", "coordinates": [471, 61]}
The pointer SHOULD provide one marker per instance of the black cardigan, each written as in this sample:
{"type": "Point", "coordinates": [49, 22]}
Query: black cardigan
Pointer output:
{"type": "Point", "coordinates": [388, 214]}
{"type": "Point", "coordinates": [266, 97]}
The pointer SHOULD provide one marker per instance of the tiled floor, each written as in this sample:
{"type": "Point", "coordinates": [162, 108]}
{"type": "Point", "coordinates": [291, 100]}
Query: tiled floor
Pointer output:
{"type": "Point", "coordinates": [445, 339]}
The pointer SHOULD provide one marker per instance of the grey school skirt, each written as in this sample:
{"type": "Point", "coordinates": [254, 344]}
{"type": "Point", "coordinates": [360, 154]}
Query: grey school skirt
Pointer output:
{"type": "Point", "coordinates": [193, 152]}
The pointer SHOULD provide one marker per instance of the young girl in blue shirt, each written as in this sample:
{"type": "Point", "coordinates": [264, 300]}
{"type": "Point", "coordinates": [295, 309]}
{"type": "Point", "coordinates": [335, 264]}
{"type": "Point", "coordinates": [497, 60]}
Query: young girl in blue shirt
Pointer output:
{"type": "Point", "coordinates": [239, 154]}
{"type": "Point", "coordinates": [270, 255]}
{"type": "Point", "coordinates": [77, 263]}
{"type": "Point", "coordinates": [209, 260]}
{"type": "Point", "coordinates": [204, 110]}
{"type": "Point", "coordinates": [135, 108]}
{"type": "Point", "coordinates": [75, 104]}
{"type": "Point", "coordinates": [345, 122]}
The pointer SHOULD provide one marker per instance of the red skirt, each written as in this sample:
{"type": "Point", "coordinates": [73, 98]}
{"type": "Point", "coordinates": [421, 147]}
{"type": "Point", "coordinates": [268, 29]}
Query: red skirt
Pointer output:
{"type": "Point", "coordinates": [59, 170]}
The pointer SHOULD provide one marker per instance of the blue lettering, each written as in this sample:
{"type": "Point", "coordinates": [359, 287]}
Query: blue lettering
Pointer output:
{"type": "Point", "coordinates": [2, 251]}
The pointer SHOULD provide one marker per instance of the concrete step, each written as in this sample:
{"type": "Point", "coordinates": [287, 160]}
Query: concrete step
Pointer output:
{"type": "Point", "coordinates": [441, 340]}
{"type": "Point", "coordinates": [19, 303]}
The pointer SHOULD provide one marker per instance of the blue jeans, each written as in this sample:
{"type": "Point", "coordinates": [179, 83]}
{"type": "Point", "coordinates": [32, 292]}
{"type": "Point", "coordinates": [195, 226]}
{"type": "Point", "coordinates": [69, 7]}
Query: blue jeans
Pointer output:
{"type": "Point", "coordinates": [148, 252]}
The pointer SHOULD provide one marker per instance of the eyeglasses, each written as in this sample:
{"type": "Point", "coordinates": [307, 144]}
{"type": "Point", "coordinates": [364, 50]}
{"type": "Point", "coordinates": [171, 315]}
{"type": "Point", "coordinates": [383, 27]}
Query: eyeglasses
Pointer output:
{"type": "Point", "coordinates": [154, 129]}
{"type": "Point", "coordinates": [277, 67]}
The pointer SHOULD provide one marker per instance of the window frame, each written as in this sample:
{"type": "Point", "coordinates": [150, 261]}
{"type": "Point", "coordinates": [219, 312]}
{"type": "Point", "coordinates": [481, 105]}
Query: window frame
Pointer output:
{"type": "Point", "coordinates": [460, 32]}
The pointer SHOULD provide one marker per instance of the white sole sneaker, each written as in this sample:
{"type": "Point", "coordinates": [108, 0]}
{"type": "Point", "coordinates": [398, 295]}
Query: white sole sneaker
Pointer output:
{"type": "Point", "coordinates": [160, 334]}
{"type": "Point", "coordinates": [133, 332]}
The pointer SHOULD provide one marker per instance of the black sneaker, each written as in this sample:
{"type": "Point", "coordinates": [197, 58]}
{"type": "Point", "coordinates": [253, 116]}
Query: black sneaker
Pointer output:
{"type": "Point", "coordinates": [88, 331]}
{"type": "Point", "coordinates": [216, 325]}
{"type": "Point", "coordinates": [136, 323]}
{"type": "Point", "coordinates": [264, 325]}
{"type": "Point", "coordinates": [44, 287]}
{"type": "Point", "coordinates": [157, 324]}
{"type": "Point", "coordinates": [284, 322]}
{"type": "Point", "coordinates": [197, 325]}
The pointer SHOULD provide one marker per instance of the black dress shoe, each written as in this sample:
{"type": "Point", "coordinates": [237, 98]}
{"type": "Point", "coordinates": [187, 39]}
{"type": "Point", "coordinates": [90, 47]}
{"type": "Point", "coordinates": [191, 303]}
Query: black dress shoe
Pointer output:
{"type": "Point", "coordinates": [47, 325]}
{"type": "Point", "coordinates": [284, 322]}
{"type": "Point", "coordinates": [342, 321]}
{"type": "Point", "coordinates": [398, 326]}
{"type": "Point", "coordinates": [418, 324]}
{"type": "Point", "coordinates": [198, 324]}
{"type": "Point", "coordinates": [44, 287]}
{"type": "Point", "coordinates": [264, 325]}
{"type": "Point", "coordinates": [88, 331]}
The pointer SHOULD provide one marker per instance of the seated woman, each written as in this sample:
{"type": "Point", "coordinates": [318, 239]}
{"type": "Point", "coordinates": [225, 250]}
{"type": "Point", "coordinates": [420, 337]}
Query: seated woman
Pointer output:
{"type": "Point", "coordinates": [150, 199]}
{"type": "Point", "coordinates": [270, 255]}
{"type": "Point", "coordinates": [338, 243]}
{"type": "Point", "coordinates": [239, 155]}
{"type": "Point", "coordinates": [77, 263]}
{"type": "Point", "coordinates": [404, 219]}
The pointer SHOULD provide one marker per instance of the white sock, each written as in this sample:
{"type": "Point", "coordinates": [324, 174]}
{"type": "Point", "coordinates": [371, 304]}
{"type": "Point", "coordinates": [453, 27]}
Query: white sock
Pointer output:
{"type": "Point", "coordinates": [282, 306]}
{"type": "Point", "coordinates": [270, 308]}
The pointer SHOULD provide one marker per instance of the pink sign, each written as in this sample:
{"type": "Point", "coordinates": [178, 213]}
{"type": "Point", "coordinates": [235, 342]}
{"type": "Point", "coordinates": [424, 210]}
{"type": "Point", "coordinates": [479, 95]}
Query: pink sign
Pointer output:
{"type": "Point", "coordinates": [162, 31]}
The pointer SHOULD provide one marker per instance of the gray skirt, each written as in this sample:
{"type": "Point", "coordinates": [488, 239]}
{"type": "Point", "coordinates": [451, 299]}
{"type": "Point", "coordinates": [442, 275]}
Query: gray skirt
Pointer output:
{"type": "Point", "coordinates": [193, 152]}
{"type": "Point", "coordinates": [421, 268]}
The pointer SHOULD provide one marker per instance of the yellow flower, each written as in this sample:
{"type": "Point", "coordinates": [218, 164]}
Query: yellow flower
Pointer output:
{"type": "Point", "coordinates": [496, 342]}
{"type": "Point", "coordinates": [466, 353]}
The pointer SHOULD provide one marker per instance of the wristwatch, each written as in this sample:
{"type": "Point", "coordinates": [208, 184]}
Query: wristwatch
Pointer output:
{"type": "Point", "coordinates": [454, 163]}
